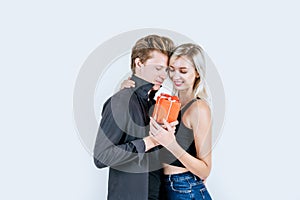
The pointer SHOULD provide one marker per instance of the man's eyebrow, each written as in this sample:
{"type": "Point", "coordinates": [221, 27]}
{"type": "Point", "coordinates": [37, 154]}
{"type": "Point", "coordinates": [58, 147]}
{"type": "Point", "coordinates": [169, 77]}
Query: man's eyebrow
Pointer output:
{"type": "Point", "coordinates": [161, 66]}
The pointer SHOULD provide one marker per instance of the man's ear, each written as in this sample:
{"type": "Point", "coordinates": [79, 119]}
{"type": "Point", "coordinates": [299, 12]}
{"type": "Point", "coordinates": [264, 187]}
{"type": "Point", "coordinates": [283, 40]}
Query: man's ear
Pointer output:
{"type": "Point", "coordinates": [138, 63]}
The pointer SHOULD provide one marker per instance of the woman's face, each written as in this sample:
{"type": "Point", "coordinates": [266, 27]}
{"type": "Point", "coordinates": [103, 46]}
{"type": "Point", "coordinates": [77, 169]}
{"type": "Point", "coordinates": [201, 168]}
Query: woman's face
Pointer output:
{"type": "Point", "coordinates": [182, 73]}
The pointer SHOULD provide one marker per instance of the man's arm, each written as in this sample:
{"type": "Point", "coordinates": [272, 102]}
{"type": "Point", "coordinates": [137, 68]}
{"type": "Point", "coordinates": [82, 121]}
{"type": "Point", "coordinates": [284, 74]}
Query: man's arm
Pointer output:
{"type": "Point", "coordinates": [110, 148]}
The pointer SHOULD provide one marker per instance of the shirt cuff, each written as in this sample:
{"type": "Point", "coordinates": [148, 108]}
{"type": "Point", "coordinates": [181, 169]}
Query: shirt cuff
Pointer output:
{"type": "Point", "coordinates": [140, 148]}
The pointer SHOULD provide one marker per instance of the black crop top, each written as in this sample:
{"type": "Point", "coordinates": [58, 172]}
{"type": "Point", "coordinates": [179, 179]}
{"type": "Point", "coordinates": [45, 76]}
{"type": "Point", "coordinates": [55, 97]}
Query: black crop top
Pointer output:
{"type": "Point", "coordinates": [184, 137]}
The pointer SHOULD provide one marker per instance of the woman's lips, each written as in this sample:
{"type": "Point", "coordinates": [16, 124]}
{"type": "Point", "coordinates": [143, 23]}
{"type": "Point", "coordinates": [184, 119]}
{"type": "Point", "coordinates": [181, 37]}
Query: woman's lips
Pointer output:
{"type": "Point", "coordinates": [177, 83]}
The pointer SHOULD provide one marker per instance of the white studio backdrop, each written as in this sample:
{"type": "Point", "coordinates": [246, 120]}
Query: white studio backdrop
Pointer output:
{"type": "Point", "coordinates": [254, 45]}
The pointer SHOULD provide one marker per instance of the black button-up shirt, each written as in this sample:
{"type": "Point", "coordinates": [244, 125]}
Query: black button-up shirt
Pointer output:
{"type": "Point", "coordinates": [120, 145]}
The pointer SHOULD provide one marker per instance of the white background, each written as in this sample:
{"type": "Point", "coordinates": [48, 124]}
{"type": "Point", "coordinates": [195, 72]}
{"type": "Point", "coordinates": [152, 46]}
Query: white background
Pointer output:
{"type": "Point", "coordinates": [254, 44]}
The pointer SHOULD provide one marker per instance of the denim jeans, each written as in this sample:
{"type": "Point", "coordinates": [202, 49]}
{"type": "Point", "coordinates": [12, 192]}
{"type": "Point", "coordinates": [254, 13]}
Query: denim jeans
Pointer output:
{"type": "Point", "coordinates": [185, 186]}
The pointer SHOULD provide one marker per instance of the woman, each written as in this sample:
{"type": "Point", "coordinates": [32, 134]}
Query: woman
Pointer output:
{"type": "Point", "coordinates": [187, 161]}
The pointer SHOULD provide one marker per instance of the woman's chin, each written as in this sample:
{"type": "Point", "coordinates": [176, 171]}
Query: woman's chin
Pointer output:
{"type": "Point", "coordinates": [177, 87]}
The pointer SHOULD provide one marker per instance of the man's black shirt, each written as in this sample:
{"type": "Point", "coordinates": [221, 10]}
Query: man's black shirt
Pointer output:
{"type": "Point", "coordinates": [120, 145]}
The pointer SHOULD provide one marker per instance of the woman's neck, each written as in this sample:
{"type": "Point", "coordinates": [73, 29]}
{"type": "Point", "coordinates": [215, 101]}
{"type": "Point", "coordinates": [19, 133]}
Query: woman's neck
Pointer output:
{"type": "Point", "coordinates": [185, 97]}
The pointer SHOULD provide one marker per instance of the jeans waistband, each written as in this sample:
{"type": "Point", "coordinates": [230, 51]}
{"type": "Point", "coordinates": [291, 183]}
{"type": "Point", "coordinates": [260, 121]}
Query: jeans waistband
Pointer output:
{"type": "Point", "coordinates": [181, 177]}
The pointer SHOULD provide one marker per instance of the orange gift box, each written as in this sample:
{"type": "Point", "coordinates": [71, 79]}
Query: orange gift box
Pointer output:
{"type": "Point", "coordinates": [166, 107]}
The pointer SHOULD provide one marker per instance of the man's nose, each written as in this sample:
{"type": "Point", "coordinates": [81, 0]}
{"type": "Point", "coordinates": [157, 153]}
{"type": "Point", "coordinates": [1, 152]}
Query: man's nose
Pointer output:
{"type": "Point", "coordinates": [164, 74]}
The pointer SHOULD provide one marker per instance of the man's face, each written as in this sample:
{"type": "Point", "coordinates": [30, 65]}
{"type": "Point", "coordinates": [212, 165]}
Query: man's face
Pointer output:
{"type": "Point", "coordinates": [154, 70]}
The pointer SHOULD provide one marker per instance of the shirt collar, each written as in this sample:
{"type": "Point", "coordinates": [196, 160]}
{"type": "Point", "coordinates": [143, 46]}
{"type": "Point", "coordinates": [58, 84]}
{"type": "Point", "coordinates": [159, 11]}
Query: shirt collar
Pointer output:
{"type": "Point", "coordinates": [143, 87]}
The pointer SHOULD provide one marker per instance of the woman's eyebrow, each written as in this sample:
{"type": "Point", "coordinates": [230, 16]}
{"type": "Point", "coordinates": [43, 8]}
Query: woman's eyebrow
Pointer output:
{"type": "Point", "coordinates": [181, 67]}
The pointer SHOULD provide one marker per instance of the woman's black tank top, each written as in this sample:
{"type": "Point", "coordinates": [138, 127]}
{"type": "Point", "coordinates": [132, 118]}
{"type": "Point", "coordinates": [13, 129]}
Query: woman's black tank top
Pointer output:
{"type": "Point", "coordinates": [184, 137]}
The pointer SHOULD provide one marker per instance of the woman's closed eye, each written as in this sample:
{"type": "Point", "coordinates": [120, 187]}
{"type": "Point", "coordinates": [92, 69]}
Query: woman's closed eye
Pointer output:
{"type": "Point", "coordinates": [183, 71]}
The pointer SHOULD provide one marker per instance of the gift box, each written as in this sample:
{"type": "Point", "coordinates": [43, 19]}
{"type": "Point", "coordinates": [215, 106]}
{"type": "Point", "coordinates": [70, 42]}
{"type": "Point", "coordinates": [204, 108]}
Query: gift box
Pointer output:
{"type": "Point", "coordinates": [166, 107]}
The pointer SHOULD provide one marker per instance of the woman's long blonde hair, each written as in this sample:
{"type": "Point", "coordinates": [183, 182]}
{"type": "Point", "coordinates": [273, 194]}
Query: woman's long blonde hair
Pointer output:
{"type": "Point", "coordinates": [196, 55]}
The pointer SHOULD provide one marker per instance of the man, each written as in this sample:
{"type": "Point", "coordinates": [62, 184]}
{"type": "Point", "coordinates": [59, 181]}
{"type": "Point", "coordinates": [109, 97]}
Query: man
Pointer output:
{"type": "Point", "coordinates": [123, 142]}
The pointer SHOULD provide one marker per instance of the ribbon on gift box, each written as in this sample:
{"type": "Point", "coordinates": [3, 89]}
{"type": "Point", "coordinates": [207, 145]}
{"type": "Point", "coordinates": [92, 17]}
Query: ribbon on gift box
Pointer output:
{"type": "Point", "coordinates": [166, 107]}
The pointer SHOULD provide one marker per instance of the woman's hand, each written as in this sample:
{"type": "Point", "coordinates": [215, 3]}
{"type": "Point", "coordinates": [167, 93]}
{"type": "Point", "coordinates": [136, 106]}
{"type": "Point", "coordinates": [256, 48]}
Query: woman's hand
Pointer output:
{"type": "Point", "coordinates": [127, 84]}
{"type": "Point", "coordinates": [164, 136]}
{"type": "Point", "coordinates": [172, 124]}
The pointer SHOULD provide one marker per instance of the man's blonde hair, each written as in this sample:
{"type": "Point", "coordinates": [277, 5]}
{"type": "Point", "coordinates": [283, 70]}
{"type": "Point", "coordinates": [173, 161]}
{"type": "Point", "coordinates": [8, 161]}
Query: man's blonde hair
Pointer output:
{"type": "Point", "coordinates": [144, 46]}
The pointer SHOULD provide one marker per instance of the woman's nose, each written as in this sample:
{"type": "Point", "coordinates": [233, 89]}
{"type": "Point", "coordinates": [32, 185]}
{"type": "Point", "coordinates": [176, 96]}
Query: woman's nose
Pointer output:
{"type": "Point", "coordinates": [176, 75]}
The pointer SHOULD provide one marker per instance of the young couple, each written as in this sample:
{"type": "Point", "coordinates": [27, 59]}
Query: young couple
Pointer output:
{"type": "Point", "coordinates": [147, 160]}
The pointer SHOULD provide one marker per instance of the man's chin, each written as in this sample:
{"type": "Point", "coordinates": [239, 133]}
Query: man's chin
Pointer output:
{"type": "Point", "coordinates": [156, 87]}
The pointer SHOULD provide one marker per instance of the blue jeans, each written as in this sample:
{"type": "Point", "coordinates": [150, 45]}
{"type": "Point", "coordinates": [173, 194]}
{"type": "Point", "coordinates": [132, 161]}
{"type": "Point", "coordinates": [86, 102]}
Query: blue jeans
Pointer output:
{"type": "Point", "coordinates": [185, 186]}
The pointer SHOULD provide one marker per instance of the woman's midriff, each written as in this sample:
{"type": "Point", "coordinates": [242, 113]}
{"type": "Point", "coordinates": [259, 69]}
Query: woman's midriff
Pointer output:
{"type": "Point", "coordinates": [170, 169]}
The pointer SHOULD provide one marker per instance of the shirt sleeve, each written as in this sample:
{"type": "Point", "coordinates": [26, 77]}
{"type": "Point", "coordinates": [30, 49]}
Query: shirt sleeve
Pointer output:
{"type": "Point", "coordinates": [111, 149]}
